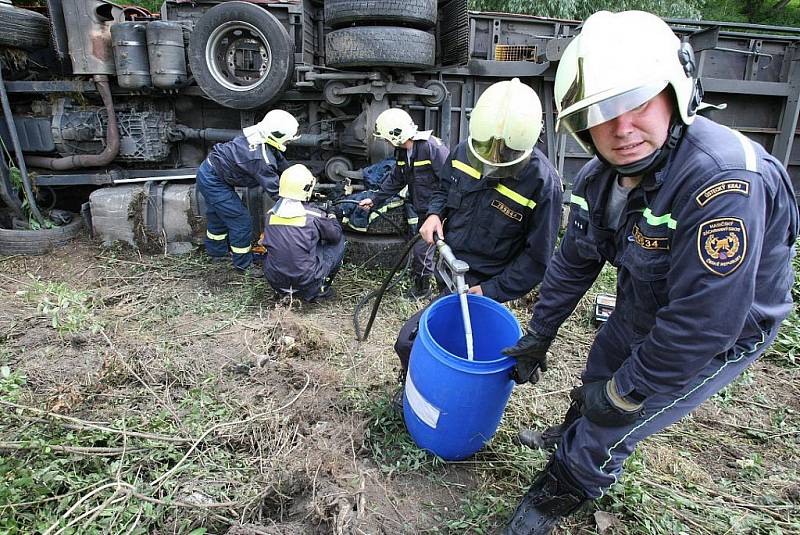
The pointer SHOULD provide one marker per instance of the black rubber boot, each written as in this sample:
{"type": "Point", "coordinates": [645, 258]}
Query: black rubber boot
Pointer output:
{"type": "Point", "coordinates": [549, 438]}
{"type": "Point", "coordinates": [553, 495]}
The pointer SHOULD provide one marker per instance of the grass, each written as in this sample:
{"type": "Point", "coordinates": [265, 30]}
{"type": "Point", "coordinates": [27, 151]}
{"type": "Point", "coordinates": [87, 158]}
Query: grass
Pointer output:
{"type": "Point", "coordinates": [162, 394]}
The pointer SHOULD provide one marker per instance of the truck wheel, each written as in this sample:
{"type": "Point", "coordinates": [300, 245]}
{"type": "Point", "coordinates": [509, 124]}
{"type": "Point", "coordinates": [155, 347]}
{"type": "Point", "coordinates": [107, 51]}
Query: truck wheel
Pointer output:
{"type": "Point", "coordinates": [240, 55]}
{"type": "Point", "coordinates": [414, 13]}
{"type": "Point", "coordinates": [391, 221]}
{"type": "Point", "coordinates": [36, 242]}
{"type": "Point", "coordinates": [368, 250]}
{"type": "Point", "coordinates": [23, 28]}
{"type": "Point", "coordinates": [385, 46]}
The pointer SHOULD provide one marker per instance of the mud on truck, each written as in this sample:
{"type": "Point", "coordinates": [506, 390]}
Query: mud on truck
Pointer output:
{"type": "Point", "coordinates": [108, 110]}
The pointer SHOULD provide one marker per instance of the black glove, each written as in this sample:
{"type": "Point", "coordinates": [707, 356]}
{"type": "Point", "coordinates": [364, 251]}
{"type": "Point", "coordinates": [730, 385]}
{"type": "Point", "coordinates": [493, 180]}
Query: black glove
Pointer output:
{"type": "Point", "coordinates": [531, 354]}
{"type": "Point", "coordinates": [602, 404]}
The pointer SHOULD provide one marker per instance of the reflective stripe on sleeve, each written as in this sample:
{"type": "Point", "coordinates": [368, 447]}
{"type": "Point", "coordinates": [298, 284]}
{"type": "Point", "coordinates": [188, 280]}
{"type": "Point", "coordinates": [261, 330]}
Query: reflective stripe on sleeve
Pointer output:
{"type": "Point", "coordinates": [421, 163]}
{"type": "Point", "coordinates": [580, 201]}
{"type": "Point", "coordinates": [749, 152]}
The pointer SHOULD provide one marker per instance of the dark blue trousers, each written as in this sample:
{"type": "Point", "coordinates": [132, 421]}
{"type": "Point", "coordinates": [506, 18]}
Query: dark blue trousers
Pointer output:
{"type": "Point", "coordinates": [331, 256]}
{"type": "Point", "coordinates": [594, 454]}
{"type": "Point", "coordinates": [228, 221]}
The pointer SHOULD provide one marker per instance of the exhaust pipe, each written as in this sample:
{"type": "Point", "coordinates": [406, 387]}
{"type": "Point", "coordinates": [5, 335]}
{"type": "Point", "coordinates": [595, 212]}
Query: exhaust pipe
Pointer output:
{"type": "Point", "coordinates": [88, 160]}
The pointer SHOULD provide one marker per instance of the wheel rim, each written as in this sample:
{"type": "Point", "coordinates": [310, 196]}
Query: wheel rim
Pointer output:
{"type": "Point", "coordinates": [238, 56]}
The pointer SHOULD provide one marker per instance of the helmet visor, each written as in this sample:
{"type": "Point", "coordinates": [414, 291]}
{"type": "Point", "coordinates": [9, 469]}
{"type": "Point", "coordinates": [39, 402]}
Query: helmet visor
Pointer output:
{"type": "Point", "coordinates": [495, 152]}
{"type": "Point", "coordinates": [502, 168]}
{"type": "Point", "coordinates": [607, 109]}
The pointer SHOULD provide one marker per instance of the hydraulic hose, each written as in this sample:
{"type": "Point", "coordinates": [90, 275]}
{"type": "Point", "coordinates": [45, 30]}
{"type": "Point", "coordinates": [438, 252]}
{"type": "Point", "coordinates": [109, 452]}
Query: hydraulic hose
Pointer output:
{"type": "Point", "coordinates": [378, 294]}
{"type": "Point", "coordinates": [12, 130]}
{"type": "Point", "coordinates": [89, 160]}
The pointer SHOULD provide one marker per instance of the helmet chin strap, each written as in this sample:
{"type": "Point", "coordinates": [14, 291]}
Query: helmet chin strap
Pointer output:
{"type": "Point", "coordinates": [655, 160]}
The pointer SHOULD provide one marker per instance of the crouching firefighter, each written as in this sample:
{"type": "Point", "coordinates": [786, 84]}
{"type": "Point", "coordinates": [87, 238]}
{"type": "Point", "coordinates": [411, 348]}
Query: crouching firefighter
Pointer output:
{"type": "Point", "coordinates": [305, 245]}
{"type": "Point", "coordinates": [420, 157]}
{"type": "Point", "coordinates": [700, 223]}
{"type": "Point", "coordinates": [252, 159]}
{"type": "Point", "coordinates": [501, 199]}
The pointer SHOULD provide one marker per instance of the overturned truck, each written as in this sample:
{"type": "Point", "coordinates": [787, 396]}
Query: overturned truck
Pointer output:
{"type": "Point", "coordinates": [111, 109]}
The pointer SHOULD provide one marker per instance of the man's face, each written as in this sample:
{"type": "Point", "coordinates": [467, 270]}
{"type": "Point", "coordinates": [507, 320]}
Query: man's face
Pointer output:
{"type": "Point", "coordinates": [635, 134]}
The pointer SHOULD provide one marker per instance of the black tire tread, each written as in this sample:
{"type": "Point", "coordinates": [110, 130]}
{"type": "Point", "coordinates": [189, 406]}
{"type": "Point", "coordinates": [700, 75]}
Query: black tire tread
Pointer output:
{"type": "Point", "coordinates": [380, 225]}
{"type": "Point", "coordinates": [23, 28]}
{"type": "Point", "coordinates": [387, 46]}
{"type": "Point", "coordinates": [371, 251]}
{"type": "Point", "coordinates": [415, 13]}
{"type": "Point", "coordinates": [37, 242]}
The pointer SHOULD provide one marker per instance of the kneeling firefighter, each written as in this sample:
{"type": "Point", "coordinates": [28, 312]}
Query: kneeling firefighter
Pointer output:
{"type": "Point", "coordinates": [501, 199]}
{"type": "Point", "coordinates": [252, 159]}
{"type": "Point", "coordinates": [305, 245]}
{"type": "Point", "coordinates": [700, 223]}
{"type": "Point", "coordinates": [420, 157]}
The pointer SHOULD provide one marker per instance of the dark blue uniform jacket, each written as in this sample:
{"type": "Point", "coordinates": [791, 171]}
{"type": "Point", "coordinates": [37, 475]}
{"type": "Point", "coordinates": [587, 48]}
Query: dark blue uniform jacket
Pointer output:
{"type": "Point", "coordinates": [702, 255]}
{"type": "Point", "coordinates": [421, 175]}
{"type": "Point", "coordinates": [505, 229]}
{"type": "Point", "coordinates": [294, 248]}
{"type": "Point", "coordinates": [239, 164]}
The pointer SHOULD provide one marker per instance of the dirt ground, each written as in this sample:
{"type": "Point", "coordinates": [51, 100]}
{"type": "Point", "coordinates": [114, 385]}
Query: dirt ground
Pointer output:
{"type": "Point", "coordinates": [152, 394]}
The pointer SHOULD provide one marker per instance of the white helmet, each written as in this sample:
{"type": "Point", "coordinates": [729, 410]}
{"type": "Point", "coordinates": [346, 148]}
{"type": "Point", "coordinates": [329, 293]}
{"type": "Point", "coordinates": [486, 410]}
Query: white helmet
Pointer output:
{"type": "Point", "coordinates": [503, 128]}
{"type": "Point", "coordinates": [296, 183]}
{"type": "Point", "coordinates": [395, 126]}
{"type": "Point", "coordinates": [618, 62]}
{"type": "Point", "coordinates": [277, 128]}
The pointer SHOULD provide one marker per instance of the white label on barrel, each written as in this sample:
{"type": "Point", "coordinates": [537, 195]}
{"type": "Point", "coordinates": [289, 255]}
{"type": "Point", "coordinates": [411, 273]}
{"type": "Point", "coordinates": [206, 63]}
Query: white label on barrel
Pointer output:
{"type": "Point", "coordinates": [421, 407]}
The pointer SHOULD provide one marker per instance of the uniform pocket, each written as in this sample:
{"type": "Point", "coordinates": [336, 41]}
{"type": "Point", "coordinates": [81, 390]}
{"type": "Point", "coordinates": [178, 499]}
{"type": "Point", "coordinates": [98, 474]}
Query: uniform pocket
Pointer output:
{"type": "Point", "coordinates": [645, 283]}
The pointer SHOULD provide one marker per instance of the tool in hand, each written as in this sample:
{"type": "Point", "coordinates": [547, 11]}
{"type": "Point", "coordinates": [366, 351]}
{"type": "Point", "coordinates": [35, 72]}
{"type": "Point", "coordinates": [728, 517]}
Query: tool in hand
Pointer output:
{"type": "Point", "coordinates": [452, 270]}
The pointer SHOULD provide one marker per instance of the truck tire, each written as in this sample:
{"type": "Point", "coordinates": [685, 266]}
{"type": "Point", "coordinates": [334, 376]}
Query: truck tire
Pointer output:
{"type": "Point", "coordinates": [389, 221]}
{"type": "Point", "coordinates": [23, 28]}
{"type": "Point", "coordinates": [382, 46]}
{"type": "Point", "coordinates": [368, 250]}
{"type": "Point", "coordinates": [37, 242]}
{"type": "Point", "coordinates": [413, 13]}
{"type": "Point", "coordinates": [219, 46]}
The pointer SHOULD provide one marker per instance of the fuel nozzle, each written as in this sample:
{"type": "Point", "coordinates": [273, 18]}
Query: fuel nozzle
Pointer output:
{"type": "Point", "coordinates": [453, 271]}
{"type": "Point", "coordinates": [450, 268]}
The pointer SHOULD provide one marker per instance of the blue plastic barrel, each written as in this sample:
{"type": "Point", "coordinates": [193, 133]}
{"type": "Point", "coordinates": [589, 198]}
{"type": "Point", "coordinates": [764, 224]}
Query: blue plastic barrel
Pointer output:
{"type": "Point", "coordinates": [452, 406]}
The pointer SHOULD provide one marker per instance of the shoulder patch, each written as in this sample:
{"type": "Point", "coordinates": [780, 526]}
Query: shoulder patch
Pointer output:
{"type": "Point", "coordinates": [742, 187]}
{"type": "Point", "coordinates": [722, 244]}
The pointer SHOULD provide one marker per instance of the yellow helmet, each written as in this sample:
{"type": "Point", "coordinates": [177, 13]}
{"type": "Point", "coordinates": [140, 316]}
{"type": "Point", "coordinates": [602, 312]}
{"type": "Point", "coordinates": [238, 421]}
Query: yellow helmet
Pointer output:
{"type": "Point", "coordinates": [503, 128]}
{"type": "Point", "coordinates": [296, 183]}
{"type": "Point", "coordinates": [618, 62]}
{"type": "Point", "coordinates": [277, 128]}
{"type": "Point", "coordinates": [395, 126]}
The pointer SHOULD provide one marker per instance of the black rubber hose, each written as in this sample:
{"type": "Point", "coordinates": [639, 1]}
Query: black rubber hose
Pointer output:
{"type": "Point", "coordinates": [378, 294]}
{"type": "Point", "coordinates": [23, 169]}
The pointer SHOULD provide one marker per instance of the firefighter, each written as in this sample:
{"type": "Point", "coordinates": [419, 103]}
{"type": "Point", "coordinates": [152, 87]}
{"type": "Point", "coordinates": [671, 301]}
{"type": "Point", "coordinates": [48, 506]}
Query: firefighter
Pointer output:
{"type": "Point", "coordinates": [254, 158]}
{"type": "Point", "coordinates": [700, 223]}
{"type": "Point", "coordinates": [501, 199]}
{"type": "Point", "coordinates": [304, 244]}
{"type": "Point", "coordinates": [420, 157]}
